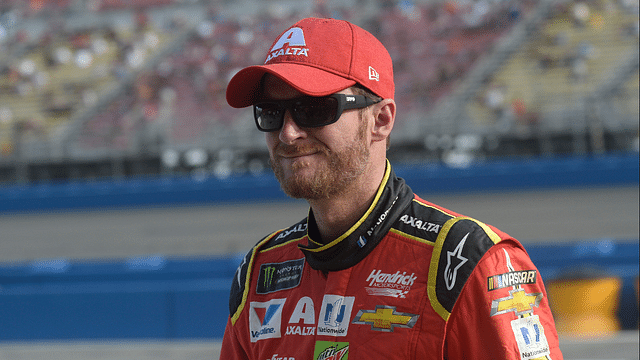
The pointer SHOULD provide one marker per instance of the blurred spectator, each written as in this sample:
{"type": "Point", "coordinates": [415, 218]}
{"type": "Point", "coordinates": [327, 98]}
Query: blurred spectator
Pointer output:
{"type": "Point", "coordinates": [433, 45]}
{"type": "Point", "coordinates": [581, 13]}
{"type": "Point", "coordinates": [495, 98]}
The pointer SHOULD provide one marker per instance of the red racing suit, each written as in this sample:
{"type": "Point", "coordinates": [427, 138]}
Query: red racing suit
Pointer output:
{"type": "Point", "coordinates": [410, 280]}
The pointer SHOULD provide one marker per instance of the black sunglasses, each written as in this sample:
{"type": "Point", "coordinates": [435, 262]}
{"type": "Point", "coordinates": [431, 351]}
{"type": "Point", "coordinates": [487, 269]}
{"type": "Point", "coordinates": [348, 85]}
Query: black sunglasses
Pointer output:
{"type": "Point", "coordinates": [307, 111]}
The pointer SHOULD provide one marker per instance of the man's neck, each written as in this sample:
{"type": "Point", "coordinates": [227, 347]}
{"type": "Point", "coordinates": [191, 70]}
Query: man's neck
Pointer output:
{"type": "Point", "coordinates": [337, 214]}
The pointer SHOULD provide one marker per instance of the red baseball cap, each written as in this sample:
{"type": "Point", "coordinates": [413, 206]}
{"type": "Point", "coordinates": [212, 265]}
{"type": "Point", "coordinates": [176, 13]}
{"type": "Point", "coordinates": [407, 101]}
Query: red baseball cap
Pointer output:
{"type": "Point", "coordinates": [319, 57]}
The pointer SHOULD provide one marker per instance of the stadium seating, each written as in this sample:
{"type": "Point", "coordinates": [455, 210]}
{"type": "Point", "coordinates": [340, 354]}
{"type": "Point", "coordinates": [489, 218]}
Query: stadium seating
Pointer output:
{"type": "Point", "coordinates": [66, 68]}
{"type": "Point", "coordinates": [553, 75]}
{"type": "Point", "coordinates": [175, 100]}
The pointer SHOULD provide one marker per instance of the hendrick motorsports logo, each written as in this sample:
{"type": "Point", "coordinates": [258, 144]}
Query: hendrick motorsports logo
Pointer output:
{"type": "Point", "coordinates": [279, 276]}
{"type": "Point", "coordinates": [387, 284]}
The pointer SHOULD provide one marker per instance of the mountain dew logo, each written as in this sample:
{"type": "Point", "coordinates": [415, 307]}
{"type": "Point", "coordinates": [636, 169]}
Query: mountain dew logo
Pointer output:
{"type": "Point", "coordinates": [327, 350]}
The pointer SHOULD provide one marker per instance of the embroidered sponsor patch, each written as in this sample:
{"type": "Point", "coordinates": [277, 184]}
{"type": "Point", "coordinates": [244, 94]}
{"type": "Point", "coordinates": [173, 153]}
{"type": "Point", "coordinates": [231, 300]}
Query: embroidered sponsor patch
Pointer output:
{"type": "Point", "coordinates": [292, 42]}
{"type": "Point", "coordinates": [512, 278]}
{"type": "Point", "coordinates": [335, 315]}
{"type": "Point", "coordinates": [518, 302]}
{"type": "Point", "coordinates": [385, 318]}
{"type": "Point", "coordinates": [390, 284]}
{"type": "Point", "coordinates": [328, 350]}
{"type": "Point", "coordinates": [455, 260]}
{"type": "Point", "coordinates": [279, 276]}
{"type": "Point", "coordinates": [387, 292]}
{"type": "Point", "coordinates": [529, 333]}
{"type": "Point", "coordinates": [278, 357]}
{"type": "Point", "coordinates": [265, 319]}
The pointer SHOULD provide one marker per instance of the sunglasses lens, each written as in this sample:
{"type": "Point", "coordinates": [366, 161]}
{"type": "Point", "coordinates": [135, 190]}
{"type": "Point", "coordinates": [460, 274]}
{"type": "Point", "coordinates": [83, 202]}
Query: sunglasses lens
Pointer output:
{"type": "Point", "coordinates": [269, 116]}
{"type": "Point", "coordinates": [315, 112]}
{"type": "Point", "coordinates": [306, 112]}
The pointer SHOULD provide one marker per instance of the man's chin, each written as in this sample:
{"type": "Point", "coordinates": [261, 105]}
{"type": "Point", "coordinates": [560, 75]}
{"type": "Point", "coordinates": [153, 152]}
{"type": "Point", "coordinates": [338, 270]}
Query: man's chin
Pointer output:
{"type": "Point", "coordinates": [304, 183]}
{"type": "Point", "coordinates": [307, 190]}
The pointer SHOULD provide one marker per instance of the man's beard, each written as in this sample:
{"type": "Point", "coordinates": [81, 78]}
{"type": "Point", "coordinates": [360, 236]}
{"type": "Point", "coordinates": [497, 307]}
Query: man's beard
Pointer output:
{"type": "Point", "coordinates": [331, 177]}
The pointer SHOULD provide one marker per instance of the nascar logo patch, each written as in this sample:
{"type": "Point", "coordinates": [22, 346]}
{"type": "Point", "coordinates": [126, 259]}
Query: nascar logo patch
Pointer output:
{"type": "Point", "coordinates": [512, 278]}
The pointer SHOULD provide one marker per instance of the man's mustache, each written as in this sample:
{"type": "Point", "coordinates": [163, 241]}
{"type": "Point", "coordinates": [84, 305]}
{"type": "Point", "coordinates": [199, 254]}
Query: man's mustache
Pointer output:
{"type": "Point", "coordinates": [285, 150]}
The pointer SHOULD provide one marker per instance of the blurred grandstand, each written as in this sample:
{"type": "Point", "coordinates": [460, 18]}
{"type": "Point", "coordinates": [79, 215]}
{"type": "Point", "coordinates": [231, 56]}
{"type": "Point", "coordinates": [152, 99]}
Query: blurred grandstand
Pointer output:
{"type": "Point", "coordinates": [112, 88]}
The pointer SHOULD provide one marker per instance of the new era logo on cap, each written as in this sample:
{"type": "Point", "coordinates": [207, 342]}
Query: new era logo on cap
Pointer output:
{"type": "Point", "coordinates": [373, 74]}
{"type": "Point", "coordinates": [319, 57]}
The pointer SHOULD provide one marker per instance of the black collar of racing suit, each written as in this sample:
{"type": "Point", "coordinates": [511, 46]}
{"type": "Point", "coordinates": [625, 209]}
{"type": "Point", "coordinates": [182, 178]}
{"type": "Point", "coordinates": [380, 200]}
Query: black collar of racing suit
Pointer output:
{"type": "Point", "coordinates": [392, 197]}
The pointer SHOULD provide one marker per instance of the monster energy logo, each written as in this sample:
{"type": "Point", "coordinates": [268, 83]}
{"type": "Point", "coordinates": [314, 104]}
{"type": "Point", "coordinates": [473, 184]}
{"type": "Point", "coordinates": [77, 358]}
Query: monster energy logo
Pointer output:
{"type": "Point", "coordinates": [279, 276]}
{"type": "Point", "coordinates": [268, 275]}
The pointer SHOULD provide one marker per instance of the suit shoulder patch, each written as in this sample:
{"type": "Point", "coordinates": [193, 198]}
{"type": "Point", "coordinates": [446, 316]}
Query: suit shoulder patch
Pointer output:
{"type": "Point", "coordinates": [422, 221]}
{"type": "Point", "coordinates": [459, 247]}
{"type": "Point", "coordinates": [294, 232]}
{"type": "Point", "coordinates": [242, 278]}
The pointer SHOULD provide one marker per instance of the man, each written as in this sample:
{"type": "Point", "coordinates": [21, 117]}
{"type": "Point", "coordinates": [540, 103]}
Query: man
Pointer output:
{"type": "Point", "coordinates": [373, 271]}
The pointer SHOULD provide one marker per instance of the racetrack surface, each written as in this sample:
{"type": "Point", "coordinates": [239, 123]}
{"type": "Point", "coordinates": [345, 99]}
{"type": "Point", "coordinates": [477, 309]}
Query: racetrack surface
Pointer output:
{"type": "Point", "coordinates": [622, 346]}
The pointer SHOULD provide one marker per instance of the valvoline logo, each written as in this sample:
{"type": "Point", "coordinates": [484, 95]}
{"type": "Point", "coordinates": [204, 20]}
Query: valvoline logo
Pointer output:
{"type": "Point", "coordinates": [265, 319]}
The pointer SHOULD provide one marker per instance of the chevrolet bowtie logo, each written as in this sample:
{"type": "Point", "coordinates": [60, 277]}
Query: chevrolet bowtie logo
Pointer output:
{"type": "Point", "coordinates": [518, 301]}
{"type": "Point", "coordinates": [385, 318]}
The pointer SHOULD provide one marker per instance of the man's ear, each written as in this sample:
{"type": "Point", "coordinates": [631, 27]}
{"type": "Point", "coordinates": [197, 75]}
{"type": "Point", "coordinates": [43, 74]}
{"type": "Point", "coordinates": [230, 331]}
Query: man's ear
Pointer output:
{"type": "Point", "coordinates": [385, 116]}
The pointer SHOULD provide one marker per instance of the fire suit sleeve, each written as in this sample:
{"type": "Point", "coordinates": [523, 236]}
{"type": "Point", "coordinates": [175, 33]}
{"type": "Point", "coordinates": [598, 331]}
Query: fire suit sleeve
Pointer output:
{"type": "Point", "coordinates": [232, 348]}
{"type": "Point", "coordinates": [502, 311]}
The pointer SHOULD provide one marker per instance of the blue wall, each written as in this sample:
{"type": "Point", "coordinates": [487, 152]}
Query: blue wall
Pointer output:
{"type": "Point", "coordinates": [173, 298]}
{"type": "Point", "coordinates": [144, 297]}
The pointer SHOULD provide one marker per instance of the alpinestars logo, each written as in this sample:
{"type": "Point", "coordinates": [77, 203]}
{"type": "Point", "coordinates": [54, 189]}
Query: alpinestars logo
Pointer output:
{"type": "Point", "coordinates": [454, 261]}
{"type": "Point", "coordinates": [295, 45]}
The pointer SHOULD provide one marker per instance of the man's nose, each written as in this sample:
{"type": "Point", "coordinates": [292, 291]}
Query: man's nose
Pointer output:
{"type": "Point", "coordinates": [290, 131]}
